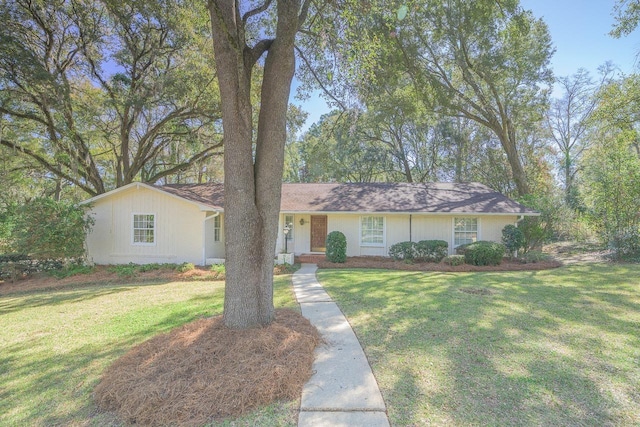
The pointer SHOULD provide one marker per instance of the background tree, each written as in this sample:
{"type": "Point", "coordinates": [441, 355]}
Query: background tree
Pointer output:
{"type": "Point", "coordinates": [569, 123]}
{"type": "Point", "coordinates": [484, 60]}
{"type": "Point", "coordinates": [102, 93]}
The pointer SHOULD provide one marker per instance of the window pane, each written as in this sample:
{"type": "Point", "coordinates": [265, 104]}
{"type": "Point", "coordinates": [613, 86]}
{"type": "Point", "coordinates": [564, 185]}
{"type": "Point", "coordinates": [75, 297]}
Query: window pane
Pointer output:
{"type": "Point", "coordinates": [372, 229]}
{"type": "Point", "coordinates": [216, 229]}
{"type": "Point", "coordinates": [143, 228]}
{"type": "Point", "coordinates": [465, 231]}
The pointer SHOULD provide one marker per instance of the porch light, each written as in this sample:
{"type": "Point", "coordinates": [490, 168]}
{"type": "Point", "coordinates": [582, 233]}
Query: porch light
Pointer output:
{"type": "Point", "coordinates": [302, 221]}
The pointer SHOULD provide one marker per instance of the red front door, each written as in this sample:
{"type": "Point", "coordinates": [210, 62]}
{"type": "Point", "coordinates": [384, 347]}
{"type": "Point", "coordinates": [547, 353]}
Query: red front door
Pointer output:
{"type": "Point", "coordinates": [318, 233]}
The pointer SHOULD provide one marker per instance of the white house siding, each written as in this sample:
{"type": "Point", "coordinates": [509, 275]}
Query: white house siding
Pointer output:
{"type": "Point", "coordinates": [397, 229]}
{"type": "Point", "coordinates": [178, 234]}
{"type": "Point", "coordinates": [214, 250]}
{"type": "Point", "coordinates": [492, 226]}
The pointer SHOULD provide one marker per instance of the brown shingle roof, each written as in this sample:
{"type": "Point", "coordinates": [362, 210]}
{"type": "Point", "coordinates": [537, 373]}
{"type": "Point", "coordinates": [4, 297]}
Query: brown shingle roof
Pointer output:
{"type": "Point", "coordinates": [376, 197]}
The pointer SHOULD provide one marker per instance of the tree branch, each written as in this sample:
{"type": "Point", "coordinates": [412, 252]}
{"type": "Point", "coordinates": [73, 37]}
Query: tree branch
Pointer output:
{"type": "Point", "coordinates": [48, 166]}
{"type": "Point", "coordinates": [205, 154]}
{"type": "Point", "coordinates": [255, 11]}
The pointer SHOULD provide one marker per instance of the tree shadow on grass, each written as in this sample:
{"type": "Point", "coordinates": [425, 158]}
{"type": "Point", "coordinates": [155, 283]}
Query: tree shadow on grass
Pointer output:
{"type": "Point", "coordinates": [66, 294]}
{"type": "Point", "coordinates": [55, 385]}
{"type": "Point", "coordinates": [534, 349]}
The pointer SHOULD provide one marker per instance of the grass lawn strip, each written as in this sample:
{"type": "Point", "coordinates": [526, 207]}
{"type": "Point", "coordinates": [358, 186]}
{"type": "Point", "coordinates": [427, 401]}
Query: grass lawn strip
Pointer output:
{"type": "Point", "coordinates": [55, 344]}
{"type": "Point", "coordinates": [554, 347]}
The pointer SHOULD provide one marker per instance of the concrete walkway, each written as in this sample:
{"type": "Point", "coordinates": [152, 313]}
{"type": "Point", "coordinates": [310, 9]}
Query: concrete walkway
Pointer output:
{"type": "Point", "coordinates": [342, 390]}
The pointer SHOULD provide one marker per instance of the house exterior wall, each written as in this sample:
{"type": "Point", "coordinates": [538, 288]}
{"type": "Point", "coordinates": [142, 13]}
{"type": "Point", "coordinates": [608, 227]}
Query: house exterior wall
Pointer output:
{"type": "Point", "coordinates": [397, 228]}
{"type": "Point", "coordinates": [213, 249]}
{"type": "Point", "coordinates": [179, 229]}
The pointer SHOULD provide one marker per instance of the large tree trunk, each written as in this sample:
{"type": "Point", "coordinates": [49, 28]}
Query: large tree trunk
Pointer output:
{"type": "Point", "coordinates": [507, 138]}
{"type": "Point", "coordinates": [252, 186]}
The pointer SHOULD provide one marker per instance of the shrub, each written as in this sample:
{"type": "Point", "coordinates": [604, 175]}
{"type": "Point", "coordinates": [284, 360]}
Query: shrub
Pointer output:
{"type": "Point", "coordinates": [454, 260]}
{"type": "Point", "coordinates": [153, 266]}
{"type": "Point", "coordinates": [125, 270]}
{"type": "Point", "coordinates": [336, 247]}
{"type": "Point", "coordinates": [13, 257]}
{"type": "Point", "coordinates": [285, 269]}
{"type": "Point", "coordinates": [626, 245]}
{"type": "Point", "coordinates": [185, 266]}
{"type": "Point", "coordinates": [431, 250]}
{"type": "Point", "coordinates": [71, 270]}
{"type": "Point", "coordinates": [46, 229]}
{"type": "Point", "coordinates": [462, 249]}
{"type": "Point", "coordinates": [403, 251]}
{"type": "Point", "coordinates": [512, 238]}
{"type": "Point", "coordinates": [219, 271]}
{"type": "Point", "coordinates": [484, 253]}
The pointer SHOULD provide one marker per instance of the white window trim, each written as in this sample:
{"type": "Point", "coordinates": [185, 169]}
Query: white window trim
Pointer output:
{"type": "Point", "coordinates": [155, 229]}
{"type": "Point", "coordinates": [384, 232]}
{"type": "Point", "coordinates": [453, 228]}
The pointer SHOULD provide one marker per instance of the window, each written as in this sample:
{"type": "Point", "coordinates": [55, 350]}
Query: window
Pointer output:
{"type": "Point", "coordinates": [288, 221]}
{"type": "Point", "coordinates": [216, 228]}
{"type": "Point", "coordinates": [144, 229]}
{"type": "Point", "coordinates": [465, 230]}
{"type": "Point", "coordinates": [372, 230]}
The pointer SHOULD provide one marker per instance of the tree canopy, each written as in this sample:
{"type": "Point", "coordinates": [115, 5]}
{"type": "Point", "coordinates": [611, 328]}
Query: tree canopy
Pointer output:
{"type": "Point", "coordinates": [103, 93]}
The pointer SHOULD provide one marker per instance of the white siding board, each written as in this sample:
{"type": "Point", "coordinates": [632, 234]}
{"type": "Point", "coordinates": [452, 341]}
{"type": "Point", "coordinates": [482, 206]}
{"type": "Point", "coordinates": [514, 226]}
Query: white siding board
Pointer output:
{"type": "Point", "coordinates": [178, 235]}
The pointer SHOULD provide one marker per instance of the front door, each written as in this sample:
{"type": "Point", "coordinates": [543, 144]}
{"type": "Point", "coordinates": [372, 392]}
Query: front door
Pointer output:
{"type": "Point", "coordinates": [318, 233]}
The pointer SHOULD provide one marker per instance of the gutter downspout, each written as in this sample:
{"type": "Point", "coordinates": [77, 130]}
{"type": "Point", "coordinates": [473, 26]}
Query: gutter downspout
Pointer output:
{"type": "Point", "coordinates": [204, 237]}
{"type": "Point", "coordinates": [410, 218]}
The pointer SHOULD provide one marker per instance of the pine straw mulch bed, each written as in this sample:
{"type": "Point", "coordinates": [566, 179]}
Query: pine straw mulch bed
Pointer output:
{"type": "Point", "coordinates": [386, 263]}
{"type": "Point", "coordinates": [204, 371]}
{"type": "Point", "coordinates": [105, 274]}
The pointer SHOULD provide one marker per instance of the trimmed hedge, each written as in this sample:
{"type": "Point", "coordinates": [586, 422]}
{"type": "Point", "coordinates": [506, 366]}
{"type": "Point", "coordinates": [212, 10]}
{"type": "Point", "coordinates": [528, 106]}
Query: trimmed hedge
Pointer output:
{"type": "Point", "coordinates": [424, 250]}
{"type": "Point", "coordinates": [484, 253]}
{"type": "Point", "coordinates": [431, 250]}
{"type": "Point", "coordinates": [336, 247]}
{"type": "Point", "coordinates": [454, 260]}
{"type": "Point", "coordinates": [403, 251]}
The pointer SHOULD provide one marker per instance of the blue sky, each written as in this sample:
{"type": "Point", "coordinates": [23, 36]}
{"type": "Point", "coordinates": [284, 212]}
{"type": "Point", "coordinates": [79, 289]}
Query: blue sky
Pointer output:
{"type": "Point", "coordinates": [579, 30]}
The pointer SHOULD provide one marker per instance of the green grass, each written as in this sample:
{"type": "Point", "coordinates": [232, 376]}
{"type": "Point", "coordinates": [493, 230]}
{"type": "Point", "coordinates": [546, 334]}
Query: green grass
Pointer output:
{"type": "Point", "coordinates": [54, 345]}
{"type": "Point", "coordinates": [555, 348]}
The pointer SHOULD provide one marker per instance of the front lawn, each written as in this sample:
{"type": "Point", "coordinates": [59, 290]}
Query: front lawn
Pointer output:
{"type": "Point", "coordinates": [55, 343]}
{"type": "Point", "coordinates": [555, 347]}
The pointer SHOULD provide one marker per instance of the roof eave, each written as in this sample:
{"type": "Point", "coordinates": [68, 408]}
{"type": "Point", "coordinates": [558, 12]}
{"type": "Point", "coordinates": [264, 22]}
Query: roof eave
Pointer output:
{"type": "Point", "coordinates": [203, 207]}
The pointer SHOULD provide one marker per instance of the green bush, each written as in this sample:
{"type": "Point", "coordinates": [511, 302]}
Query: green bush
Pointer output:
{"type": "Point", "coordinates": [512, 238]}
{"type": "Point", "coordinates": [626, 245]}
{"type": "Point", "coordinates": [125, 270]}
{"type": "Point", "coordinates": [403, 251]}
{"type": "Point", "coordinates": [462, 249]}
{"type": "Point", "coordinates": [71, 270]}
{"type": "Point", "coordinates": [454, 260]}
{"type": "Point", "coordinates": [185, 266]}
{"type": "Point", "coordinates": [484, 253]}
{"type": "Point", "coordinates": [219, 271]}
{"type": "Point", "coordinates": [336, 247]}
{"type": "Point", "coordinates": [13, 257]}
{"type": "Point", "coordinates": [46, 229]}
{"type": "Point", "coordinates": [431, 250]}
